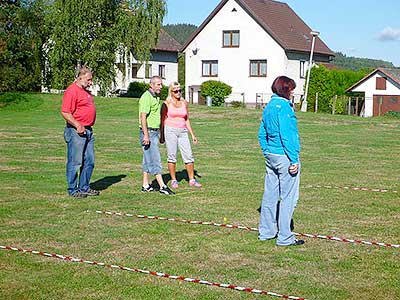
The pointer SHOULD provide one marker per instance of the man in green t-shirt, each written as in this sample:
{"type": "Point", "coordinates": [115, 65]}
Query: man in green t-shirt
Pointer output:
{"type": "Point", "coordinates": [149, 122]}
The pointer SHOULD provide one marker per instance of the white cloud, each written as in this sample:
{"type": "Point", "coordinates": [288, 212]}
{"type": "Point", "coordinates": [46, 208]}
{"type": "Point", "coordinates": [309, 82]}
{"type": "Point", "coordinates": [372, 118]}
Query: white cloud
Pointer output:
{"type": "Point", "coordinates": [389, 34]}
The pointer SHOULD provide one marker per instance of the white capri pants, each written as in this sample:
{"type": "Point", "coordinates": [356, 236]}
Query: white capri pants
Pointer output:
{"type": "Point", "coordinates": [178, 137]}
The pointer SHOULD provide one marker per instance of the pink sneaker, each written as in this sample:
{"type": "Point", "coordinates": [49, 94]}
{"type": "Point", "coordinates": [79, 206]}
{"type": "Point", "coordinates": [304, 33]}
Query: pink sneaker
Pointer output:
{"type": "Point", "coordinates": [174, 184]}
{"type": "Point", "coordinates": [195, 183]}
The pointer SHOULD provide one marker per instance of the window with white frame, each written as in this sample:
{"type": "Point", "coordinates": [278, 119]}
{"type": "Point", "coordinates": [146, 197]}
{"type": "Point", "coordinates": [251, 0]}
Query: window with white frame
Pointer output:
{"type": "Point", "coordinates": [161, 71]}
{"type": "Point", "coordinates": [302, 69]}
{"type": "Point", "coordinates": [209, 68]}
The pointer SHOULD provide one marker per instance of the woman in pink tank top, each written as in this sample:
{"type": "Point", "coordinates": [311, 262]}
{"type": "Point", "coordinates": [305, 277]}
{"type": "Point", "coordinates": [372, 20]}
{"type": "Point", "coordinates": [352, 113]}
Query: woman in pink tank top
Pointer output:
{"type": "Point", "coordinates": [175, 120]}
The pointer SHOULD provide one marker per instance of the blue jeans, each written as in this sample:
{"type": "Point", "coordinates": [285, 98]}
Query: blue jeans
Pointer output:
{"type": "Point", "coordinates": [80, 157]}
{"type": "Point", "coordinates": [279, 185]}
{"type": "Point", "coordinates": [151, 153]}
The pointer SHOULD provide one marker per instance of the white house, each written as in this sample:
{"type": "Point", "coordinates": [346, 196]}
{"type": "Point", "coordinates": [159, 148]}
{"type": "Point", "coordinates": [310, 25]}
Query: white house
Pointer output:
{"type": "Point", "coordinates": [247, 44]}
{"type": "Point", "coordinates": [381, 90]}
{"type": "Point", "coordinates": [163, 62]}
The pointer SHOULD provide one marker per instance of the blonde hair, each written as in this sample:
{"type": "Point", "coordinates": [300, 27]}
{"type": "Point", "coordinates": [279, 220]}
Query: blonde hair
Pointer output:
{"type": "Point", "coordinates": [173, 85]}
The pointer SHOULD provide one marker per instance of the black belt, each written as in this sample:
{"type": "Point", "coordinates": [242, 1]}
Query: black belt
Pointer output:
{"type": "Point", "coordinates": [86, 127]}
{"type": "Point", "coordinates": [149, 128]}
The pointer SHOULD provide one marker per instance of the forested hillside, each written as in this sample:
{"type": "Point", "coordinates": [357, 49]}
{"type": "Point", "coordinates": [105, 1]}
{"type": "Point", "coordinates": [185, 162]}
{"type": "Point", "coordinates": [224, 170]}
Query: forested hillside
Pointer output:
{"type": "Point", "coordinates": [180, 32]}
{"type": "Point", "coordinates": [357, 63]}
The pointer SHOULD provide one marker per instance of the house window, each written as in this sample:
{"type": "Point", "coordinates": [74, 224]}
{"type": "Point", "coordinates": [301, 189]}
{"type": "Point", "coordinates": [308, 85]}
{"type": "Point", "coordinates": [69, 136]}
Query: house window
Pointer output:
{"type": "Point", "coordinates": [380, 83]}
{"type": "Point", "coordinates": [210, 68]}
{"type": "Point", "coordinates": [161, 71]}
{"type": "Point", "coordinates": [302, 69]}
{"type": "Point", "coordinates": [258, 68]}
{"type": "Point", "coordinates": [148, 72]}
{"type": "Point", "coordinates": [230, 39]}
{"type": "Point", "coordinates": [135, 70]}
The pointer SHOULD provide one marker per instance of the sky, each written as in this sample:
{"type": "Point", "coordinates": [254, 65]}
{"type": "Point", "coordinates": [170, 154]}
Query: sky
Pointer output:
{"type": "Point", "coordinates": [360, 28]}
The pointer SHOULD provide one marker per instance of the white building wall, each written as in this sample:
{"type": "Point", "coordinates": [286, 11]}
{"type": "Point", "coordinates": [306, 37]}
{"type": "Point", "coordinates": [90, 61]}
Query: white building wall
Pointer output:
{"type": "Point", "coordinates": [293, 71]}
{"type": "Point", "coordinates": [369, 88]}
{"type": "Point", "coordinates": [122, 82]}
{"type": "Point", "coordinates": [234, 63]}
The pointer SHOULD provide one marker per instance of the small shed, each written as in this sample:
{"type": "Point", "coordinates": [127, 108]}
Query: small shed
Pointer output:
{"type": "Point", "coordinates": [382, 91]}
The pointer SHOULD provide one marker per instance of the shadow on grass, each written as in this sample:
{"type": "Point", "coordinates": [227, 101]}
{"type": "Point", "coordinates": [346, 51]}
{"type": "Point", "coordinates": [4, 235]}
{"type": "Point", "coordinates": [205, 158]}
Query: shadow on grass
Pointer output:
{"type": "Point", "coordinates": [106, 182]}
{"type": "Point", "coordinates": [180, 175]}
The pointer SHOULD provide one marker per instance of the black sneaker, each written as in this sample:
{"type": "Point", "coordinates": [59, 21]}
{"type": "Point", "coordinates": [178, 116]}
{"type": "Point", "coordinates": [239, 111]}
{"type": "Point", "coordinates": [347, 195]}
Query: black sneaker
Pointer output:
{"type": "Point", "coordinates": [91, 192]}
{"type": "Point", "coordinates": [297, 243]}
{"type": "Point", "coordinates": [79, 195]}
{"type": "Point", "coordinates": [149, 188]}
{"type": "Point", "coordinates": [166, 191]}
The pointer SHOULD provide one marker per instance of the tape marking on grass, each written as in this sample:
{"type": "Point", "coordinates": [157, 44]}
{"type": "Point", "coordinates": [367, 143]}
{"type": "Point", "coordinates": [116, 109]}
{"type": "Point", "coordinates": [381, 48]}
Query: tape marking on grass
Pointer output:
{"type": "Point", "coordinates": [159, 274]}
{"type": "Point", "coordinates": [364, 189]}
{"type": "Point", "coordinates": [316, 236]}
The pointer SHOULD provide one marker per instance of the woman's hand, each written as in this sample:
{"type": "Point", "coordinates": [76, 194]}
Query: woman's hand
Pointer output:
{"type": "Point", "coordinates": [194, 139]}
{"type": "Point", "coordinates": [293, 169]}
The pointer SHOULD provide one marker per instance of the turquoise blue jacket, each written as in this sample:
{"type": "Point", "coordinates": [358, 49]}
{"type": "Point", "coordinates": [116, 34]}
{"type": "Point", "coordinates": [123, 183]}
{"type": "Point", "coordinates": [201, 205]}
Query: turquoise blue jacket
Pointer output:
{"type": "Point", "coordinates": [278, 133]}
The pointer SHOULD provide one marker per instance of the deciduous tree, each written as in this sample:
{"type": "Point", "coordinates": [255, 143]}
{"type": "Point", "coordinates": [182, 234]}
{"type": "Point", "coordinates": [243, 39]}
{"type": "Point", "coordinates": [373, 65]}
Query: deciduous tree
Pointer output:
{"type": "Point", "coordinates": [22, 32]}
{"type": "Point", "coordinates": [93, 32]}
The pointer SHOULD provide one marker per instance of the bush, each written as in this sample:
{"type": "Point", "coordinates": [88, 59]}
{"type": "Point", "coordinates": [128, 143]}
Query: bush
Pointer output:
{"type": "Point", "coordinates": [237, 104]}
{"type": "Point", "coordinates": [164, 93]}
{"type": "Point", "coordinates": [217, 90]}
{"type": "Point", "coordinates": [136, 90]}
{"type": "Point", "coordinates": [328, 83]}
{"type": "Point", "coordinates": [393, 114]}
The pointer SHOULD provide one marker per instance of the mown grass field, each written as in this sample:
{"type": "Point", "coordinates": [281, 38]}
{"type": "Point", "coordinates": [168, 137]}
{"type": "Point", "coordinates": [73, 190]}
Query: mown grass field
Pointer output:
{"type": "Point", "coordinates": [36, 213]}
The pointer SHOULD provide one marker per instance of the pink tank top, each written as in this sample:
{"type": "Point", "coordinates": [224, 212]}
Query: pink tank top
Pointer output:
{"type": "Point", "coordinates": [176, 116]}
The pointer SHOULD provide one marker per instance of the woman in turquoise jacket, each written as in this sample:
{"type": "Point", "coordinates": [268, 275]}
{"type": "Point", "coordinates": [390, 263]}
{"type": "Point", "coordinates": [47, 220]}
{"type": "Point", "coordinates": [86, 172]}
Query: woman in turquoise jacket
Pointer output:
{"type": "Point", "coordinates": [280, 144]}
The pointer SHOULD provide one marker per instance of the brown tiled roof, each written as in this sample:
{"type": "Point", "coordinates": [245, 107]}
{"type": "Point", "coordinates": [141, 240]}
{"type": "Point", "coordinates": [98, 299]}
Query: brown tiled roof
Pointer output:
{"type": "Point", "coordinates": [393, 74]}
{"type": "Point", "coordinates": [279, 21]}
{"type": "Point", "coordinates": [166, 42]}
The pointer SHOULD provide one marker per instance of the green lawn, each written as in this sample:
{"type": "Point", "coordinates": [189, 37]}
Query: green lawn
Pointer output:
{"type": "Point", "coordinates": [36, 213]}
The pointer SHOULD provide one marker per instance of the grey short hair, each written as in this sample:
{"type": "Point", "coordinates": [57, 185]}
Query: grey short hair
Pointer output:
{"type": "Point", "coordinates": [82, 71]}
{"type": "Point", "coordinates": [153, 79]}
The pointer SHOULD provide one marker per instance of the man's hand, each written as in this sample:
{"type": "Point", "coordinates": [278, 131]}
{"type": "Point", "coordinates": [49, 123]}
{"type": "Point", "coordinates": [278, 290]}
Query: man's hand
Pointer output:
{"type": "Point", "coordinates": [81, 130]}
{"type": "Point", "coordinates": [146, 139]}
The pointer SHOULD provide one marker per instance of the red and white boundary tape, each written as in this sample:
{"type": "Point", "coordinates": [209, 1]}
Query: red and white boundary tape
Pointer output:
{"type": "Point", "coordinates": [159, 274]}
{"type": "Point", "coordinates": [316, 236]}
{"type": "Point", "coordinates": [350, 188]}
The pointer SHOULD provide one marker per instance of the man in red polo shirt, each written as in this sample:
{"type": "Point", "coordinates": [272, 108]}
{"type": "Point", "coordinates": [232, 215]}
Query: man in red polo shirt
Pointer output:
{"type": "Point", "coordinates": [79, 112]}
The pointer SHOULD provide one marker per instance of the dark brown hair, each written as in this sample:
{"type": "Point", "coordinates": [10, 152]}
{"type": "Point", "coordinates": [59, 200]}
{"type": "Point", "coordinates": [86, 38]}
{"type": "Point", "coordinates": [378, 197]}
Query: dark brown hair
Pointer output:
{"type": "Point", "coordinates": [282, 86]}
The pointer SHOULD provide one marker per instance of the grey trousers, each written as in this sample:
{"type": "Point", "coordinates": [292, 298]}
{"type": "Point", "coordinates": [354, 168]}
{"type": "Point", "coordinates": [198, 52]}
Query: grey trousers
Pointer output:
{"type": "Point", "coordinates": [178, 137]}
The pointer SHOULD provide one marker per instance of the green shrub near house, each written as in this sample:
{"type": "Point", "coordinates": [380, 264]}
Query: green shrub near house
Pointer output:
{"type": "Point", "coordinates": [136, 89]}
{"type": "Point", "coordinates": [393, 114]}
{"type": "Point", "coordinates": [328, 83]}
{"type": "Point", "coordinates": [217, 90]}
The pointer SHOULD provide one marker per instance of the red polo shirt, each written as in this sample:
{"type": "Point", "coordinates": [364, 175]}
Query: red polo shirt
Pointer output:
{"type": "Point", "coordinates": [79, 102]}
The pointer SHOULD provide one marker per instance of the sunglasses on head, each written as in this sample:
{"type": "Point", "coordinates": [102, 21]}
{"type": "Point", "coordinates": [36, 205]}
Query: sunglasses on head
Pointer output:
{"type": "Point", "coordinates": [177, 91]}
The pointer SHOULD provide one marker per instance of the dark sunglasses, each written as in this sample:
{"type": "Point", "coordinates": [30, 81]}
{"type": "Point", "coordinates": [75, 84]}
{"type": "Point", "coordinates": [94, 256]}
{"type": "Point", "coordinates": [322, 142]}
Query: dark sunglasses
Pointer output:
{"type": "Point", "coordinates": [177, 91]}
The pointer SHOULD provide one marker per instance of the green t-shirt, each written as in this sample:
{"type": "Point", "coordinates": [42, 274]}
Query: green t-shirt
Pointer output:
{"type": "Point", "coordinates": [150, 105]}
